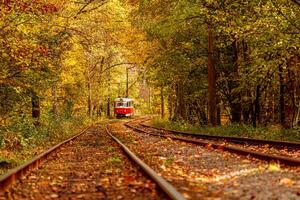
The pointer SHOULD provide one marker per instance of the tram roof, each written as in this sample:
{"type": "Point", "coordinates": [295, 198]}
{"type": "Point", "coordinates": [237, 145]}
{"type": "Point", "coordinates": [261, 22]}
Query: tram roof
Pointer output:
{"type": "Point", "coordinates": [123, 99]}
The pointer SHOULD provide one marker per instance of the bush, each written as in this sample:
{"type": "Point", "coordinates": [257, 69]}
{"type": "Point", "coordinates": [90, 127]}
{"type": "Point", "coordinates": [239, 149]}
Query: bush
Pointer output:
{"type": "Point", "coordinates": [235, 130]}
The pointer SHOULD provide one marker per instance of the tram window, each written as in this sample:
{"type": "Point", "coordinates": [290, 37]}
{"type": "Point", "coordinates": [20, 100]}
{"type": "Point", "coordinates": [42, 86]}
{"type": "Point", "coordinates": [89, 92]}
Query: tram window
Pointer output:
{"type": "Point", "coordinates": [120, 104]}
{"type": "Point", "coordinates": [124, 104]}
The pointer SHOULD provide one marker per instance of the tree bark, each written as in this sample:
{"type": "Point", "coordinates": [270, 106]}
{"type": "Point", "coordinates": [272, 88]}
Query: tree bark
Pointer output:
{"type": "Point", "coordinates": [218, 112]}
{"type": "Point", "coordinates": [297, 115]}
{"type": "Point", "coordinates": [281, 96]}
{"type": "Point", "coordinates": [109, 94]}
{"type": "Point", "coordinates": [54, 101]}
{"type": "Point", "coordinates": [90, 106]}
{"type": "Point", "coordinates": [212, 96]}
{"type": "Point", "coordinates": [108, 107]}
{"type": "Point", "coordinates": [36, 111]}
{"type": "Point", "coordinates": [236, 106]}
{"type": "Point", "coordinates": [162, 102]}
{"type": "Point", "coordinates": [170, 106]}
{"type": "Point", "coordinates": [256, 114]}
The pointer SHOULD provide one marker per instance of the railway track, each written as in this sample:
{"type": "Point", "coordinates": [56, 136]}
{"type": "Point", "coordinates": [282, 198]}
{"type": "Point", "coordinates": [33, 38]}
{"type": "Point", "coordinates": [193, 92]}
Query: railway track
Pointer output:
{"type": "Point", "coordinates": [202, 172]}
{"type": "Point", "coordinates": [164, 185]}
{"type": "Point", "coordinates": [237, 140]}
{"type": "Point", "coordinates": [76, 169]}
{"type": "Point", "coordinates": [13, 175]}
{"type": "Point", "coordinates": [238, 149]}
{"type": "Point", "coordinates": [93, 166]}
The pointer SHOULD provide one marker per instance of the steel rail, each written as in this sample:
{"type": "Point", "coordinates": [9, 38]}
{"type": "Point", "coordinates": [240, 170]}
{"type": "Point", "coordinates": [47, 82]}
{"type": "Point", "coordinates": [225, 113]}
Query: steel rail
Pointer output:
{"type": "Point", "coordinates": [239, 140]}
{"type": "Point", "coordinates": [8, 179]}
{"type": "Point", "coordinates": [233, 149]}
{"type": "Point", "coordinates": [163, 184]}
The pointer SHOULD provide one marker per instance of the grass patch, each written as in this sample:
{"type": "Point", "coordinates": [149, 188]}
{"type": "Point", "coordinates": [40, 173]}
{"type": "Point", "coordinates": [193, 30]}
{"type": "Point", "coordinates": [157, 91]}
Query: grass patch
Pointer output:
{"type": "Point", "coordinates": [115, 159]}
{"type": "Point", "coordinates": [169, 161]}
{"type": "Point", "coordinates": [234, 130]}
{"type": "Point", "coordinates": [111, 149]}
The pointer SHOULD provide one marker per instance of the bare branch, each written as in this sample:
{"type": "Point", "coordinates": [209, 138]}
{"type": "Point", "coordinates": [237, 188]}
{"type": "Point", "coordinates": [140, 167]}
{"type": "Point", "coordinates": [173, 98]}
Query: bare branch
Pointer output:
{"type": "Point", "coordinates": [115, 65]}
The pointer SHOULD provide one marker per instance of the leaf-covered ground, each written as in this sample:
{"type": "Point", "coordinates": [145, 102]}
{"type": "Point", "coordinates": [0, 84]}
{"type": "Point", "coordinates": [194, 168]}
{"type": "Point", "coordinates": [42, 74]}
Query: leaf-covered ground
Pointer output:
{"type": "Point", "coordinates": [203, 173]}
{"type": "Point", "coordinates": [282, 151]}
{"type": "Point", "coordinates": [91, 167]}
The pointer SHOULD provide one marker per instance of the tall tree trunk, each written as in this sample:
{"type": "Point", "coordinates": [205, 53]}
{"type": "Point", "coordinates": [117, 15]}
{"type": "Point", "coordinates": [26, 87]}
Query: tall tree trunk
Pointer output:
{"type": "Point", "coordinates": [36, 111]}
{"type": "Point", "coordinates": [181, 102]}
{"type": "Point", "coordinates": [127, 82]}
{"type": "Point", "coordinates": [90, 106]}
{"type": "Point", "coordinates": [212, 96]}
{"type": "Point", "coordinates": [149, 100]}
{"type": "Point", "coordinates": [218, 112]}
{"type": "Point", "coordinates": [291, 92]}
{"type": "Point", "coordinates": [297, 115]}
{"type": "Point", "coordinates": [162, 102]}
{"type": "Point", "coordinates": [109, 94]}
{"type": "Point", "coordinates": [236, 103]}
{"type": "Point", "coordinates": [108, 107]}
{"type": "Point", "coordinates": [256, 114]}
{"type": "Point", "coordinates": [54, 101]}
{"type": "Point", "coordinates": [281, 96]}
{"type": "Point", "coordinates": [180, 107]}
{"type": "Point", "coordinates": [170, 106]}
{"type": "Point", "coordinates": [246, 105]}
{"type": "Point", "coordinates": [176, 103]}
{"type": "Point", "coordinates": [100, 109]}
{"type": "Point", "coordinates": [273, 108]}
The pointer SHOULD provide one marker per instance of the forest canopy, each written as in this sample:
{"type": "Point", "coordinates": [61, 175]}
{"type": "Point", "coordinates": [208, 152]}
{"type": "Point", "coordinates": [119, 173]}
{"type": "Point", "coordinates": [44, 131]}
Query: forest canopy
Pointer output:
{"type": "Point", "coordinates": [201, 62]}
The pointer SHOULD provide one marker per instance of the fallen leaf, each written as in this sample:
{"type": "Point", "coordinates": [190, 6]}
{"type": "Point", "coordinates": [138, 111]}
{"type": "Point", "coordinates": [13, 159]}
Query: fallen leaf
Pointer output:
{"type": "Point", "coordinates": [104, 182]}
{"type": "Point", "coordinates": [286, 182]}
{"type": "Point", "coordinates": [274, 167]}
{"type": "Point", "coordinates": [54, 196]}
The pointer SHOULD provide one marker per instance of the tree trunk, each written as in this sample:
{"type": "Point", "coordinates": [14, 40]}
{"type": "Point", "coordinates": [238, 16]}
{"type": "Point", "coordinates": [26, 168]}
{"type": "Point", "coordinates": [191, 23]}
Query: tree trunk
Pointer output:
{"type": "Point", "coordinates": [162, 102]}
{"type": "Point", "coordinates": [180, 107]}
{"type": "Point", "coordinates": [36, 112]}
{"type": "Point", "coordinates": [90, 107]}
{"type": "Point", "coordinates": [100, 109]}
{"type": "Point", "coordinates": [127, 82]}
{"type": "Point", "coordinates": [218, 112]}
{"type": "Point", "coordinates": [256, 114]}
{"type": "Point", "coordinates": [170, 106]}
{"type": "Point", "coordinates": [281, 96]}
{"type": "Point", "coordinates": [236, 103]}
{"type": "Point", "coordinates": [108, 107]}
{"type": "Point", "coordinates": [181, 102]}
{"type": "Point", "coordinates": [109, 94]}
{"type": "Point", "coordinates": [212, 96]}
{"type": "Point", "coordinates": [149, 100]}
{"type": "Point", "coordinates": [297, 115]}
{"type": "Point", "coordinates": [54, 101]}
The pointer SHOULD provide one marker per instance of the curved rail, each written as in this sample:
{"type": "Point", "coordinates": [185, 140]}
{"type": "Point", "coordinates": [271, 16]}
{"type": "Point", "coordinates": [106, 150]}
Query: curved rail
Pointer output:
{"type": "Point", "coordinates": [241, 151]}
{"type": "Point", "coordinates": [11, 176]}
{"type": "Point", "coordinates": [239, 140]}
{"type": "Point", "coordinates": [164, 185]}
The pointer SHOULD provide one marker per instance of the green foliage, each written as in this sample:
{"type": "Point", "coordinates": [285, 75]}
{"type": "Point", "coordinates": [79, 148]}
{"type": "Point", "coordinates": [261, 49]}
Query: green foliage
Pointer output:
{"type": "Point", "coordinates": [234, 130]}
{"type": "Point", "coordinates": [250, 40]}
{"type": "Point", "coordinates": [111, 149]}
{"type": "Point", "coordinates": [115, 159]}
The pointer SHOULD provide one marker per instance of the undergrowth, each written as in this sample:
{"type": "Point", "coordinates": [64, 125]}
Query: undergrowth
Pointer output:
{"type": "Point", "coordinates": [236, 130]}
{"type": "Point", "coordinates": [21, 139]}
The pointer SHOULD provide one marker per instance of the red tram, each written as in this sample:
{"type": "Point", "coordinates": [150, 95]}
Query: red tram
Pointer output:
{"type": "Point", "coordinates": [124, 107]}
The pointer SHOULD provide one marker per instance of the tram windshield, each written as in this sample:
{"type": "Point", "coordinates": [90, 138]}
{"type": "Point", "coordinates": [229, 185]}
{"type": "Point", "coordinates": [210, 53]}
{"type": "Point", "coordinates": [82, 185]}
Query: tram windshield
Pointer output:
{"type": "Point", "coordinates": [124, 104]}
{"type": "Point", "coordinates": [121, 104]}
